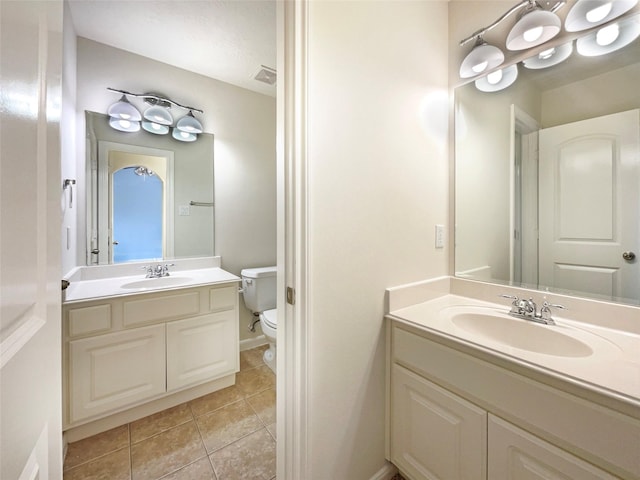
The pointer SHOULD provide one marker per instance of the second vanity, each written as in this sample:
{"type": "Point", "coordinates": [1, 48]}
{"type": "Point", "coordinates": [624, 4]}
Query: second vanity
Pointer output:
{"type": "Point", "coordinates": [473, 395]}
{"type": "Point", "coordinates": [134, 345]}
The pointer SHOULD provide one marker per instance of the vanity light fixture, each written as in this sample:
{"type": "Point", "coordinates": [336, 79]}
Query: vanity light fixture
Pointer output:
{"type": "Point", "coordinates": [123, 109]}
{"type": "Point", "coordinates": [498, 80]}
{"type": "Point", "coordinates": [189, 123]}
{"type": "Point", "coordinates": [609, 38]}
{"type": "Point", "coordinates": [183, 136]}
{"type": "Point", "coordinates": [158, 120]}
{"type": "Point", "coordinates": [534, 27]}
{"type": "Point", "coordinates": [155, 128]}
{"type": "Point", "coordinates": [549, 57]}
{"type": "Point", "coordinates": [483, 57]}
{"type": "Point", "coordinates": [586, 14]}
{"type": "Point", "coordinates": [123, 125]}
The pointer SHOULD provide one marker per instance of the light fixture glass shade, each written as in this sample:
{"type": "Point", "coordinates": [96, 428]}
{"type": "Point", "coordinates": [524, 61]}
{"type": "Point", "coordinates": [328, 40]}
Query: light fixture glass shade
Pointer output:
{"type": "Point", "coordinates": [159, 115]}
{"type": "Point", "coordinates": [610, 38]}
{"type": "Point", "coordinates": [184, 136]}
{"type": "Point", "coordinates": [124, 125]}
{"type": "Point", "coordinates": [586, 14]}
{"type": "Point", "coordinates": [534, 28]}
{"type": "Point", "coordinates": [483, 57]}
{"type": "Point", "coordinates": [155, 128]}
{"type": "Point", "coordinates": [124, 110]}
{"type": "Point", "coordinates": [498, 80]}
{"type": "Point", "coordinates": [549, 57]}
{"type": "Point", "coordinates": [189, 124]}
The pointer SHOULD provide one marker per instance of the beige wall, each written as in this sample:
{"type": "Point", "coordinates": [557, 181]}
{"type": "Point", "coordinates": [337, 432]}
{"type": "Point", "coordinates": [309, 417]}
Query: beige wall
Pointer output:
{"type": "Point", "coordinates": [243, 124]}
{"type": "Point", "coordinates": [377, 178]}
{"type": "Point", "coordinates": [611, 92]}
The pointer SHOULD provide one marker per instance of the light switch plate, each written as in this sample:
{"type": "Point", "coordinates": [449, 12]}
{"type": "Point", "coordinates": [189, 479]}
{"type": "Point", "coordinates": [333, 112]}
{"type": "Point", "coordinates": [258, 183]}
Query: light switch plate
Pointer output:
{"type": "Point", "coordinates": [184, 210]}
{"type": "Point", "coordinates": [439, 236]}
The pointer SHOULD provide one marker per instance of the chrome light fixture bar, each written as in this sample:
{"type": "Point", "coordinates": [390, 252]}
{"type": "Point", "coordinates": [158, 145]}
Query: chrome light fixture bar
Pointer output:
{"type": "Point", "coordinates": [157, 118]}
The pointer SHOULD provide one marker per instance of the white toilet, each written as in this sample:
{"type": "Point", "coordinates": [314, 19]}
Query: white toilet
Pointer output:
{"type": "Point", "coordinates": [259, 287]}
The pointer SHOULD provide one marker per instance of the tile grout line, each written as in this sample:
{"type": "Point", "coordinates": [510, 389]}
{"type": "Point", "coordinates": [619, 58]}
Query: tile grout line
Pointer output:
{"type": "Point", "coordinates": [130, 454]}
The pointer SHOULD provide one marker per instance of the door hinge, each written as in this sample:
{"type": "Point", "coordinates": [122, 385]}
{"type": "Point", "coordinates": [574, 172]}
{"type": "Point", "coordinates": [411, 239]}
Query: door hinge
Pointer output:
{"type": "Point", "coordinates": [291, 296]}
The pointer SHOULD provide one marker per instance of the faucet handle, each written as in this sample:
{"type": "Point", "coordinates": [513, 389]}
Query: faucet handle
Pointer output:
{"type": "Point", "coordinates": [545, 311]}
{"type": "Point", "coordinates": [511, 297]}
{"type": "Point", "coordinates": [515, 305]}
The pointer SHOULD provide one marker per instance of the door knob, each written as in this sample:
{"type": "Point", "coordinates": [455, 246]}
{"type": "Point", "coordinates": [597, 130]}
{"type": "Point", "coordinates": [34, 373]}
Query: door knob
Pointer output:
{"type": "Point", "coordinates": [629, 256]}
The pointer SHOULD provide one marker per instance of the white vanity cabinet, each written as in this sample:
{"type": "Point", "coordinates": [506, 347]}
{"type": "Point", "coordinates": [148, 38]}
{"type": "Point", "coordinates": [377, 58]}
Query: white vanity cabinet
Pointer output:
{"type": "Point", "coordinates": [122, 351]}
{"type": "Point", "coordinates": [434, 433]}
{"type": "Point", "coordinates": [113, 370]}
{"type": "Point", "coordinates": [452, 414]}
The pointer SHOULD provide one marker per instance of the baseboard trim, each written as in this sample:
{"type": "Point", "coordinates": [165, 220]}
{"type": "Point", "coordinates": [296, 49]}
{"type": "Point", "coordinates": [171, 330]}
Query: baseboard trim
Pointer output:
{"type": "Point", "coordinates": [387, 472]}
{"type": "Point", "coordinates": [249, 343]}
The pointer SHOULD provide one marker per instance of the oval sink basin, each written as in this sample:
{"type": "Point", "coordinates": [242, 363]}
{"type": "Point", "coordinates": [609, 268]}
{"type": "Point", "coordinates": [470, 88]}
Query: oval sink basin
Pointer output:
{"type": "Point", "coordinates": [159, 282]}
{"type": "Point", "coordinates": [522, 334]}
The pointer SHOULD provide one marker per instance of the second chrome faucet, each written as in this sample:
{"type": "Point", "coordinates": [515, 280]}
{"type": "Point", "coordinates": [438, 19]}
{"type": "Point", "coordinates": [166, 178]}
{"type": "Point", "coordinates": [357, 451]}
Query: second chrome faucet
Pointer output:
{"type": "Point", "coordinates": [528, 310]}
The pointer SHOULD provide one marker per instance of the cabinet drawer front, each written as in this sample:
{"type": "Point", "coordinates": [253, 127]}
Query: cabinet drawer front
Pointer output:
{"type": "Point", "coordinates": [514, 453]}
{"type": "Point", "coordinates": [201, 349]}
{"type": "Point", "coordinates": [225, 298]}
{"type": "Point", "coordinates": [161, 307]}
{"type": "Point", "coordinates": [115, 370]}
{"type": "Point", "coordinates": [435, 434]}
{"type": "Point", "coordinates": [89, 320]}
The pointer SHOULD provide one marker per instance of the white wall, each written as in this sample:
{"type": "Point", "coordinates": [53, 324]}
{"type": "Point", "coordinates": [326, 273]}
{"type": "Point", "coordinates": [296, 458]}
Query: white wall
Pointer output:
{"type": "Point", "coordinates": [377, 185]}
{"type": "Point", "coordinates": [243, 123]}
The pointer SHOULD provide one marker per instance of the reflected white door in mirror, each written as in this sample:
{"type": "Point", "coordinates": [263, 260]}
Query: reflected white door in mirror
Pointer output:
{"type": "Point", "coordinates": [589, 183]}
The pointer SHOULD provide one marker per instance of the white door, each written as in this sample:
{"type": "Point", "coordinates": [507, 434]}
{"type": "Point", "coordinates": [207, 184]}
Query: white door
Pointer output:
{"type": "Point", "coordinates": [30, 225]}
{"type": "Point", "coordinates": [589, 201]}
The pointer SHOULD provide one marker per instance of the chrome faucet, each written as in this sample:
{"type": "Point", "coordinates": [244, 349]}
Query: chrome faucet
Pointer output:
{"type": "Point", "coordinates": [528, 310]}
{"type": "Point", "coordinates": [157, 271]}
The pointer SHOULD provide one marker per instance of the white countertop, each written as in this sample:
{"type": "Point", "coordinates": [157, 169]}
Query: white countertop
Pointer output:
{"type": "Point", "coordinates": [612, 369]}
{"type": "Point", "coordinates": [85, 290]}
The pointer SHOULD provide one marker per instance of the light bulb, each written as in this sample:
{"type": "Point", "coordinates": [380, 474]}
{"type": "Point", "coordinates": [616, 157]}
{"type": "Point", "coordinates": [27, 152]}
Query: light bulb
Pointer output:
{"type": "Point", "coordinates": [532, 34]}
{"type": "Point", "coordinates": [598, 13]}
{"type": "Point", "coordinates": [124, 123]}
{"type": "Point", "coordinates": [607, 35]}
{"type": "Point", "coordinates": [480, 67]}
{"type": "Point", "coordinates": [494, 77]}
{"type": "Point", "coordinates": [546, 54]}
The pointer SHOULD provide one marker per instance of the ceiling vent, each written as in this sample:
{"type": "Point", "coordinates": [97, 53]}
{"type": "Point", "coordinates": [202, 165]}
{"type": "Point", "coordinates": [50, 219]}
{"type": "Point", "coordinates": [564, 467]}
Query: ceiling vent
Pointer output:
{"type": "Point", "coordinates": [266, 75]}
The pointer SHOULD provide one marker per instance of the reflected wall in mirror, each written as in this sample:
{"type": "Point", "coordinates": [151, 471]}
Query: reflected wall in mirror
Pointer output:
{"type": "Point", "coordinates": [142, 190]}
{"type": "Point", "coordinates": [547, 179]}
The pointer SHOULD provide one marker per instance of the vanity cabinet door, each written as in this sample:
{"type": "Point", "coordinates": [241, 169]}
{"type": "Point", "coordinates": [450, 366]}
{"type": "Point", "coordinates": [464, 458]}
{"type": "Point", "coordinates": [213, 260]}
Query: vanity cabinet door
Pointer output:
{"type": "Point", "coordinates": [434, 433]}
{"type": "Point", "coordinates": [515, 454]}
{"type": "Point", "coordinates": [202, 348]}
{"type": "Point", "coordinates": [115, 370]}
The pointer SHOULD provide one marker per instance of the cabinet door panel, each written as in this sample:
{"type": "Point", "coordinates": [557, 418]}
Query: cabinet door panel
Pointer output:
{"type": "Point", "coordinates": [201, 349]}
{"type": "Point", "coordinates": [517, 455]}
{"type": "Point", "coordinates": [434, 433]}
{"type": "Point", "coordinates": [115, 370]}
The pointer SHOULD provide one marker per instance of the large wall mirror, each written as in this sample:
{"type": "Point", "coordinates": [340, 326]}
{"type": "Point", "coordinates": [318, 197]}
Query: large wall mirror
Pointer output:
{"type": "Point", "coordinates": [150, 197]}
{"type": "Point", "coordinates": [547, 178]}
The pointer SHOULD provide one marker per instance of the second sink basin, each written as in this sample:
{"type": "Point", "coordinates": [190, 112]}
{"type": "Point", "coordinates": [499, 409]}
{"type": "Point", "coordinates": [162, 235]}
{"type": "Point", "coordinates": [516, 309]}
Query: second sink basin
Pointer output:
{"type": "Point", "coordinates": [159, 282]}
{"type": "Point", "coordinates": [522, 334]}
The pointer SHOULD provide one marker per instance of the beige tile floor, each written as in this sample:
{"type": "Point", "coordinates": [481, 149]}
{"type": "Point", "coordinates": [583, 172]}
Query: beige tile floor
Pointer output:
{"type": "Point", "coordinates": [226, 435]}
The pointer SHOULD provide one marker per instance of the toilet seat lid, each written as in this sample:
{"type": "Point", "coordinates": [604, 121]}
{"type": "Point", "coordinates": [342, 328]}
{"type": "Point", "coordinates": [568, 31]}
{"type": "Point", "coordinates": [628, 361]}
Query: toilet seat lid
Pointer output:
{"type": "Point", "coordinates": [270, 317]}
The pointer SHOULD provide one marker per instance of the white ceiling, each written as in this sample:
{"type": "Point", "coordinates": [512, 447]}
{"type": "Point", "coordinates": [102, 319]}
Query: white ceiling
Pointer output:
{"type": "Point", "coordinates": [227, 40]}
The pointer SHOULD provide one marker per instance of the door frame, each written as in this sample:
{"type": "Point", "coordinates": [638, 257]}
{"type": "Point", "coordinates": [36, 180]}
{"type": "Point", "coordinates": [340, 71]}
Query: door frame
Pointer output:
{"type": "Point", "coordinates": [292, 242]}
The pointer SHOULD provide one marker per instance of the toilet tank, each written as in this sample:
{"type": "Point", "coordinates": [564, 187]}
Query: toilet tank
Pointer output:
{"type": "Point", "coordinates": [259, 287]}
